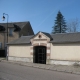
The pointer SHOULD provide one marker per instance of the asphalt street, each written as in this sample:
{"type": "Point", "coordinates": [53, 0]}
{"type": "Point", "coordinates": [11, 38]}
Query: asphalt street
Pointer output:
{"type": "Point", "coordinates": [10, 71]}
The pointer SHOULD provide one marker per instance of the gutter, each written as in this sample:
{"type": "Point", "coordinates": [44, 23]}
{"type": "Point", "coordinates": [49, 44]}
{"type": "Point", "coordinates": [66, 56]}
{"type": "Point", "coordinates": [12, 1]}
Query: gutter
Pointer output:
{"type": "Point", "coordinates": [18, 43]}
{"type": "Point", "coordinates": [64, 42]}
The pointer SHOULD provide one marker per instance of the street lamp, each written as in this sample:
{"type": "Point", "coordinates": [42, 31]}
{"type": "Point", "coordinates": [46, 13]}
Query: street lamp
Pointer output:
{"type": "Point", "coordinates": [6, 32]}
{"type": "Point", "coordinates": [7, 23]}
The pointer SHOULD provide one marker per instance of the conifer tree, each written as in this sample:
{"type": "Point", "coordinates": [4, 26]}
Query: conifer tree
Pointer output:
{"type": "Point", "coordinates": [60, 24]}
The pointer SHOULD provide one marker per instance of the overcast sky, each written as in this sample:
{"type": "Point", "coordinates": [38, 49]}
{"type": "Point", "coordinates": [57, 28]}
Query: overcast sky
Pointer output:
{"type": "Point", "coordinates": [40, 13]}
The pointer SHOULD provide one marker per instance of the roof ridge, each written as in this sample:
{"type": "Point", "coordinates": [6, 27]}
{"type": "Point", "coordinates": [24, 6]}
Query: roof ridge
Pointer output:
{"type": "Point", "coordinates": [15, 22]}
{"type": "Point", "coordinates": [27, 36]}
{"type": "Point", "coordinates": [65, 33]}
{"type": "Point", "coordinates": [45, 32]}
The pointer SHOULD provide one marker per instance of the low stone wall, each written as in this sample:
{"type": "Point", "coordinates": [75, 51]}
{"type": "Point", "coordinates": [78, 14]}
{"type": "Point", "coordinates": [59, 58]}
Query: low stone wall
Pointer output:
{"type": "Point", "coordinates": [58, 62]}
{"type": "Point", "coordinates": [48, 61]}
{"type": "Point", "coordinates": [23, 59]}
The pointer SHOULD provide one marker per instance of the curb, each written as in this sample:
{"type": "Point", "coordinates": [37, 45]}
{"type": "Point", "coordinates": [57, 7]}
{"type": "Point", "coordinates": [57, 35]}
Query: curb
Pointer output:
{"type": "Point", "coordinates": [40, 67]}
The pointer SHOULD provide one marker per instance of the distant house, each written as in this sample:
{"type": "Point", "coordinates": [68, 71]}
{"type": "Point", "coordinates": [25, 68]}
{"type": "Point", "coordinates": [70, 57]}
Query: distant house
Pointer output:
{"type": "Point", "coordinates": [15, 30]}
{"type": "Point", "coordinates": [45, 48]}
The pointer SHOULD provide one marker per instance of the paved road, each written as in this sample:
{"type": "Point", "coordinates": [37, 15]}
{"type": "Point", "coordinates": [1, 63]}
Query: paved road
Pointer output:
{"type": "Point", "coordinates": [10, 71]}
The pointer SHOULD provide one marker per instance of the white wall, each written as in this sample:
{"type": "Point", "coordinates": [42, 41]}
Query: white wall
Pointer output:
{"type": "Point", "coordinates": [68, 51]}
{"type": "Point", "coordinates": [19, 51]}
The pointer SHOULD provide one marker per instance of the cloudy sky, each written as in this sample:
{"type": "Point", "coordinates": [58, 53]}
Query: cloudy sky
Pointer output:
{"type": "Point", "coordinates": [40, 13]}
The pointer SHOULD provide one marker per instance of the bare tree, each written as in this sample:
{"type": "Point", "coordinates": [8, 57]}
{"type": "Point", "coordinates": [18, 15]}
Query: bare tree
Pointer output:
{"type": "Point", "coordinates": [73, 25]}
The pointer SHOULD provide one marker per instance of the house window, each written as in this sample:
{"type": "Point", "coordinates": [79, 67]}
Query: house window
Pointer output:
{"type": "Point", "coordinates": [0, 45]}
{"type": "Point", "coordinates": [11, 32]}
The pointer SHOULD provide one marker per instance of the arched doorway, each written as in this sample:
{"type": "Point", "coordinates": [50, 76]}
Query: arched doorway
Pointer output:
{"type": "Point", "coordinates": [39, 55]}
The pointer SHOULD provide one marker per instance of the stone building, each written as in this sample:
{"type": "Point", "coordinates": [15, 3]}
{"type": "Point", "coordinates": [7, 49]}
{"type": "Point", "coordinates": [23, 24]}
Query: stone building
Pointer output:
{"type": "Point", "coordinates": [15, 31]}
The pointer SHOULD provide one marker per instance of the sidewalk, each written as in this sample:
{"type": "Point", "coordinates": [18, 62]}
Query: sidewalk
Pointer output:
{"type": "Point", "coordinates": [2, 58]}
{"type": "Point", "coordinates": [60, 68]}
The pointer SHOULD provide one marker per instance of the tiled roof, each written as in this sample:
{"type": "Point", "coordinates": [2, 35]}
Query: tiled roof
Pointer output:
{"type": "Point", "coordinates": [48, 35]}
{"type": "Point", "coordinates": [22, 40]}
{"type": "Point", "coordinates": [65, 37]}
{"type": "Point", "coordinates": [55, 38]}
{"type": "Point", "coordinates": [12, 24]}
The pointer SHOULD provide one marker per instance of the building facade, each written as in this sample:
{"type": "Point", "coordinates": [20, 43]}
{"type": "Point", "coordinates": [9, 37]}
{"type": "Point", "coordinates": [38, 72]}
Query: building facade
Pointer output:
{"type": "Point", "coordinates": [44, 48]}
{"type": "Point", "coordinates": [15, 31]}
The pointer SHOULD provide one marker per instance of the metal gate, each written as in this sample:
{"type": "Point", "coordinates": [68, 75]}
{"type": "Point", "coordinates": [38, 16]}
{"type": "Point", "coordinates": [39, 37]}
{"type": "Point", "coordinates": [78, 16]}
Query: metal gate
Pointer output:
{"type": "Point", "coordinates": [39, 54]}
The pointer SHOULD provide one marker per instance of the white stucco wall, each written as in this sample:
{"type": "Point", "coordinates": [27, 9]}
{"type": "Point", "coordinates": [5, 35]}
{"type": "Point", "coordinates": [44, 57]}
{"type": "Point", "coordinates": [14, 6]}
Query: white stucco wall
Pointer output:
{"type": "Point", "coordinates": [67, 51]}
{"type": "Point", "coordinates": [19, 51]}
{"type": "Point", "coordinates": [35, 42]}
